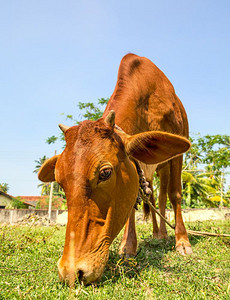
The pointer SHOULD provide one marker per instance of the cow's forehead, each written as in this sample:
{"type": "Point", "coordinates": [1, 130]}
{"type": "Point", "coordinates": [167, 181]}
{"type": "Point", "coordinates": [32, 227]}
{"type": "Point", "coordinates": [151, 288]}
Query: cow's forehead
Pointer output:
{"type": "Point", "coordinates": [89, 145]}
{"type": "Point", "coordinates": [92, 138]}
{"type": "Point", "coordinates": [88, 132]}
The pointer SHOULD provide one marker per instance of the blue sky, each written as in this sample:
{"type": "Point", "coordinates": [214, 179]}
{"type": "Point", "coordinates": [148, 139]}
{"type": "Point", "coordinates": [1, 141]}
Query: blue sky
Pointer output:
{"type": "Point", "coordinates": [54, 54]}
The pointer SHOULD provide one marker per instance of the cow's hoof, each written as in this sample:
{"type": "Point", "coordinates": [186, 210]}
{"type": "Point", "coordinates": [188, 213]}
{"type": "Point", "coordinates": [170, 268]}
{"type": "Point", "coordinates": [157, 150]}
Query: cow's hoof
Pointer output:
{"type": "Point", "coordinates": [184, 249]}
{"type": "Point", "coordinates": [126, 256]}
{"type": "Point", "coordinates": [128, 251]}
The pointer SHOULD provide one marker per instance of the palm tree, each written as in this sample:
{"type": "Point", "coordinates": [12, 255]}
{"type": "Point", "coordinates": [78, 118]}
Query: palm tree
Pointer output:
{"type": "Point", "coordinates": [4, 187]}
{"type": "Point", "coordinates": [57, 189]}
{"type": "Point", "coordinates": [200, 188]}
{"type": "Point", "coordinates": [39, 163]}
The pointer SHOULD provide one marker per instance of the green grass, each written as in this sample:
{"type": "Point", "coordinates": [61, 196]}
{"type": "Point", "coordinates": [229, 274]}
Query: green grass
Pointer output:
{"type": "Point", "coordinates": [28, 257]}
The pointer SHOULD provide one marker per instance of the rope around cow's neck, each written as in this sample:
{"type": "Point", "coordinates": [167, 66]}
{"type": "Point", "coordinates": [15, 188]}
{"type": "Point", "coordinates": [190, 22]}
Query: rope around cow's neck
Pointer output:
{"type": "Point", "coordinates": [144, 195]}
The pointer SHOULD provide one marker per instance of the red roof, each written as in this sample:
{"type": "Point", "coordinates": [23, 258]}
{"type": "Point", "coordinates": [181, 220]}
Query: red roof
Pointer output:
{"type": "Point", "coordinates": [32, 200]}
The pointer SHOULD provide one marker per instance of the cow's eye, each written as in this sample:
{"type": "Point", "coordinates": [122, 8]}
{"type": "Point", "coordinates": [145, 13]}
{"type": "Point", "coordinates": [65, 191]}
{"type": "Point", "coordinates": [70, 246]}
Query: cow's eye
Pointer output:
{"type": "Point", "coordinates": [105, 173]}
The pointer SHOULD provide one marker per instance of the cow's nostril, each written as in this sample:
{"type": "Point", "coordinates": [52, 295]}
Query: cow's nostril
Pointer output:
{"type": "Point", "coordinates": [80, 275]}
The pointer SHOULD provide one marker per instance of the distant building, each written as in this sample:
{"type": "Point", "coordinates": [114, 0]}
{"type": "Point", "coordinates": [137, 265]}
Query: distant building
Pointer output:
{"type": "Point", "coordinates": [39, 202]}
{"type": "Point", "coordinates": [5, 200]}
{"type": "Point", "coordinates": [8, 201]}
{"type": "Point", "coordinates": [31, 201]}
{"type": "Point", "coordinates": [42, 202]}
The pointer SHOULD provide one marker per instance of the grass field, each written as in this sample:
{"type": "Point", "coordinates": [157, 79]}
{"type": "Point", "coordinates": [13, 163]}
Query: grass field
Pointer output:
{"type": "Point", "coordinates": [28, 257]}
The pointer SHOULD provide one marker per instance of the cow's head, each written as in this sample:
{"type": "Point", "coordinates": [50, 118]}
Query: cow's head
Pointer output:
{"type": "Point", "coordinates": [101, 186]}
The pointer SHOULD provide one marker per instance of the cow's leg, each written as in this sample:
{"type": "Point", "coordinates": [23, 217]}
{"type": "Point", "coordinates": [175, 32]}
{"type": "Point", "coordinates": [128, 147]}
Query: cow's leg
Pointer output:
{"type": "Point", "coordinates": [128, 245]}
{"type": "Point", "coordinates": [164, 173]}
{"type": "Point", "coordinates": [182, 242]}
{"type": "Point", "coordinates": [154, 219]}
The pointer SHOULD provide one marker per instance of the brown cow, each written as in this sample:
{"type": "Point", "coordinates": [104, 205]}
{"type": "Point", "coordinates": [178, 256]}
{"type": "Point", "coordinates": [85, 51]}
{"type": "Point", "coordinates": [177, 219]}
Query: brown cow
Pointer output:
{"type": "Point", "coordinates": [99, 177]}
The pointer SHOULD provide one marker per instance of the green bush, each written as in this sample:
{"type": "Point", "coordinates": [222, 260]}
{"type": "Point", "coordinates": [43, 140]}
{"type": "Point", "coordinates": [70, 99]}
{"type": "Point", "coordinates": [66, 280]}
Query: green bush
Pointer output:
{"type": "Point", "coordinates": [16, 203]}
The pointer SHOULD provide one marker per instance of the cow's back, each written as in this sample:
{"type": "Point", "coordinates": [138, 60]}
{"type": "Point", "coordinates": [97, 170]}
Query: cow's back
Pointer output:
{"type": "Point", "coordinates": [144, 99]}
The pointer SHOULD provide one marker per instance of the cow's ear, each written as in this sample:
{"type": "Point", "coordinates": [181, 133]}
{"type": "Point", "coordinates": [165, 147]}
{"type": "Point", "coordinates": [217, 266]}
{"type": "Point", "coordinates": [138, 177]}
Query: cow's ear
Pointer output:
{"type": "Point", "coordinates": [153, 147]}
{"type": "Point", "coordinates": [47, 170]}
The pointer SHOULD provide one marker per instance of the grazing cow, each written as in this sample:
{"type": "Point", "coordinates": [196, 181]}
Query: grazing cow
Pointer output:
{"type": "Point", "coordinates": [99, 176]}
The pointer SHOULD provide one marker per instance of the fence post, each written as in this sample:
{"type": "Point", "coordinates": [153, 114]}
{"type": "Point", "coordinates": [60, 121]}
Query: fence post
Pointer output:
{"type": "Point", "coordinates": [221, 189]}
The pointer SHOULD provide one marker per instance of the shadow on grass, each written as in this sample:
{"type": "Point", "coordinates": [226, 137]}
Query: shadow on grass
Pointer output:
{"type": "Point", "coordinates": [151, 254]}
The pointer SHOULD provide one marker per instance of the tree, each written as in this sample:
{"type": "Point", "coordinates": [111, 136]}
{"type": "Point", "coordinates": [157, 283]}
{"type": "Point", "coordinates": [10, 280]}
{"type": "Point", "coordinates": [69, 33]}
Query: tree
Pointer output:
{"type": "Point", "coordinates": [228, 194]}
{"type": "Point", "coordinates": [57, 189]}
{"type": "Point", "coordinates": [203, 170]}
{"type": "Point", "coordinates": [39, 163]}
{"type": "Point", "coordinates": [215, 151]}
{"type": "Point", "coordinates": [192, 157]}
{"type": "Point", "coordinates": [199, 189]}
{"type": "Point", "coordinates": [4, 187]}
{"type": "Point", "coordinates": [90, 112]}
{"type": "Point", "coordinates": [16, 203]}
{"type": "Point", "coordinates": [216, 154]}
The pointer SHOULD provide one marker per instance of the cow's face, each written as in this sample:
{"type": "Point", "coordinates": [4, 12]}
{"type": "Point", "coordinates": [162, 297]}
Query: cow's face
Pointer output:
{"type": "Point", "coordinates": [101, 185]}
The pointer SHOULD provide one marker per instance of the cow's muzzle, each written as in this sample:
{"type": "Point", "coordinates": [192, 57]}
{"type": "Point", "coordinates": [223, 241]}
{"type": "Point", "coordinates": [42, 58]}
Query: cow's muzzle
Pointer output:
{"type": "Point", "coordinates": [84, 271]}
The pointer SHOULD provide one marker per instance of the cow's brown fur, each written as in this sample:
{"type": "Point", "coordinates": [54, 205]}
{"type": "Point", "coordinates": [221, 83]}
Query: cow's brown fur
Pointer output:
{"type": "Point", "coordinates": [149, 97]}
{"type": "Point", "coordinates": [155, 130]}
